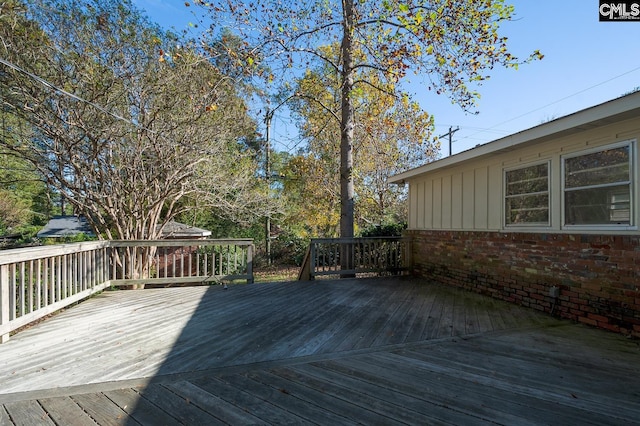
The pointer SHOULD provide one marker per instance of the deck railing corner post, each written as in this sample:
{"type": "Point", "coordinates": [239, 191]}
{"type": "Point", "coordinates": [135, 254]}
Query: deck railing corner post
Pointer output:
{"type": "Point", "coordinates": [312, 260]}
{"type": "Point", "coordinates": [250, 251]}
{"type": "Point", "coordinates": [4, 300]}
{"type": "Point", "coordinates": [409, 254]}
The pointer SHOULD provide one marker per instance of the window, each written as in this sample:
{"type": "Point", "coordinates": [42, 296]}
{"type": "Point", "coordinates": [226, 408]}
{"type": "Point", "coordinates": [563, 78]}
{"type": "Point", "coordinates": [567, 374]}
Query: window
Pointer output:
{"type": "Point", "coordinates": [527, 196]}
{"type": "Point", "coordinates": [597, 187]}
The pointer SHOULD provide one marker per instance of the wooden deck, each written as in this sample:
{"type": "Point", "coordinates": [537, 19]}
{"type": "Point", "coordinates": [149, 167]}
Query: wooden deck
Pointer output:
{"type": "Point", "coordinates": [368, 351]}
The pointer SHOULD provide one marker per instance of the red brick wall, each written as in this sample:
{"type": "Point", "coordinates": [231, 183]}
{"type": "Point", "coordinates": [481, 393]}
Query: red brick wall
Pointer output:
{"type": "Point", "coordinates": [598, 275]}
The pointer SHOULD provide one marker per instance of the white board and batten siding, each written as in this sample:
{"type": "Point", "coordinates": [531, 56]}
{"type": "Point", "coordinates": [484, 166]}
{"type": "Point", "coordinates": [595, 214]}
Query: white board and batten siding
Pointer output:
{"type": "Point", "coordinates": [468, 195]}
{"type": "Point", "coordinates": [460, 200]}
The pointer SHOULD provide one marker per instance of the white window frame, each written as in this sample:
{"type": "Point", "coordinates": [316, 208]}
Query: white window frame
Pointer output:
{"type": "Point", "coordinates": [633, 177]}
{"type": "Point", "coordinates": [540, 225]}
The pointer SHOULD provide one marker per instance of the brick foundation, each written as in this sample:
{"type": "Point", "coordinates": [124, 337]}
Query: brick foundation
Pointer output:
{"type": "Point", "coordinates": [598, 276]}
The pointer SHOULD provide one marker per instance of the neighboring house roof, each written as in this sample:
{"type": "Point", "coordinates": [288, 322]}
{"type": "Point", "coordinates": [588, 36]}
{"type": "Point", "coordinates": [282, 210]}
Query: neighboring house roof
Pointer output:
{"type": "Point", "coordinates": [65, 226]}
{"type": "Point", "coordinates": [175, 229]}
{"type": "Point", "coordinates": [610, 112]}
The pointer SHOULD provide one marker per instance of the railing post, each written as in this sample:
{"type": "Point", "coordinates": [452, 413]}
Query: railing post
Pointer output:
{"type": "Point", "coordinates": [408, 254]}
{"type": "Point", "coordinates": [4, 300]}
{"type": "Point", "coordinates": [312, 261]}
{"type": "Point", "coordinates": [250, 263]}
{"type": "Point", "coordinates": [347, 260]}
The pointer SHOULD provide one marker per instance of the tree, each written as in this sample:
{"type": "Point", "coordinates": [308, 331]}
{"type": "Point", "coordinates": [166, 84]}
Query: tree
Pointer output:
{"type": "Point", "coordinates": [454, 43]}
{"type": "Point", "coordinates": [311, 188]}
{"type": "Point", "coordinates": [24, 199]}
{"type": "Point", "coordinates": [390, 136]}
{"type": "Point", "coordinates": [127, 122]}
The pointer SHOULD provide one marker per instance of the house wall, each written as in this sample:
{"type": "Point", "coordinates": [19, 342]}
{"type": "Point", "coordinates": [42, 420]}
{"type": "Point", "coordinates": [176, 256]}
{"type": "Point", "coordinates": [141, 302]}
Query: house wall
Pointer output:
{"type": "Point", "coordinates": [597, 275]}
{"type": "Point", "coordinates": [469, 196]}
{"type": "Point", "coordinates": [459, 238]}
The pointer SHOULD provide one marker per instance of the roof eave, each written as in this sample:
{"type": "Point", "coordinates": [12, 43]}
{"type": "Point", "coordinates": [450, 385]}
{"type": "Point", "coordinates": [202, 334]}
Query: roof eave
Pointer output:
{"type": "Point", "coordinates": [609, 112]}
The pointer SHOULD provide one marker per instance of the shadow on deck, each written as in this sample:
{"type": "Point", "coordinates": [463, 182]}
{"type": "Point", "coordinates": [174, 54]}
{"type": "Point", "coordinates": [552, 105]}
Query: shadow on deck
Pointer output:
{"type": "Point", "coordinates": [372, 351]}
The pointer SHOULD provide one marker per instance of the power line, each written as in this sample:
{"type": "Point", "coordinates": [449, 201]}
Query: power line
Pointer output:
{"type": "Point", "coordinates": [482, 129]}
{"type": "Point", "coordinates": [80, 99]}
{"type": "Point", "coordinates": [71, 95]}
{"type": "Point", "coordinates": [296, 142]}
{"type": "Point", "coordinates": [555, 102]}
{"type": "Point", "coordinates": [450, 133]}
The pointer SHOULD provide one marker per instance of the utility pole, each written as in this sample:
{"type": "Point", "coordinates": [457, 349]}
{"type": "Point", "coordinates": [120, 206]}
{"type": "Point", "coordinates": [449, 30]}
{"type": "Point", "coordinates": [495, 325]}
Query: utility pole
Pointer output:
{"type": "Point", "coordinates": [450, 134]}
{"type": "Point", "coordinates": [267, 171]}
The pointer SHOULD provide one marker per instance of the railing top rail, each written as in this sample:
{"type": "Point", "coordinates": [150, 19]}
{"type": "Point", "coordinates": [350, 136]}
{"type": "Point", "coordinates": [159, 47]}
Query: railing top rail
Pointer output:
{"type": "Point", "coordinates": [172, 242]}
{"type": "Point", "coordinates": [353, 240]}
{"type": "Point", "coordinates": [40, 252]}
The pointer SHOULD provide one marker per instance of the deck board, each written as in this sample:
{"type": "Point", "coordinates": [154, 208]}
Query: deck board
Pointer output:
{"type": "Point", "coordinates": [249, 402]}
{"type": "Point", "coordinates": [359, 406]}
{"type": "Point", "coordinates": [222, 410]}
{"type": "Point", "coordinates": [28, 413]}
{"type": "Point", "coordinates": [531, 385]}
{"type": "Point", "coordinates": [406, 408]}
{"type": "Point", "coordinates": [102, 410]}
{"type": "Point", "coordinates": [180, 408]}
{"type": "Point", "coordinates": [378, 351]}
{"type": "Point", "coordinates": [294, 397]}
{"type": "Point", "coordinates": [427, 394]}
{"type": "Point", "coordinates": [145, 412]}
{"type": "Point", "coordinates": [64, 410]}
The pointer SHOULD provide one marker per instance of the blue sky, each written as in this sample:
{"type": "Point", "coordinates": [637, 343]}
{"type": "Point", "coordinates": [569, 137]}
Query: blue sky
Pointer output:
{"type": "Point", "coordinates": [586, 62]}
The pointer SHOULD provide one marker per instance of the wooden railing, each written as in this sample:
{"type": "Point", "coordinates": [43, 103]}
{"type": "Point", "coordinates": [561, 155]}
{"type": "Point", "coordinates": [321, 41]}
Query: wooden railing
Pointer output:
{"type": "Point", "coordinates": [37, 281]}
{"type": "Point", "coordinates": [181, 261]}
{"type": "Point", "coordinates": [352, 256]}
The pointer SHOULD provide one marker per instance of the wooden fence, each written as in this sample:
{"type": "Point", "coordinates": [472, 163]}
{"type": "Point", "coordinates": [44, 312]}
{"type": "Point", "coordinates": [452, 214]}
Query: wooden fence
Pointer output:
{"type": "Point", "coordinates": [38, 281]}
{"type": "Point", "coordinates": [353, 256]}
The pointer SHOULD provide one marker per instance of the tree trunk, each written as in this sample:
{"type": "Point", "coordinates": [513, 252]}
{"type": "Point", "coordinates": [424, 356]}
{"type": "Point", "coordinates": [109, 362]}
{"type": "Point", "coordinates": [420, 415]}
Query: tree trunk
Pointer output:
{"type": "Point", "coordinates": [347, 126]}
{"type": "Point", "coordinates": [346, 141]}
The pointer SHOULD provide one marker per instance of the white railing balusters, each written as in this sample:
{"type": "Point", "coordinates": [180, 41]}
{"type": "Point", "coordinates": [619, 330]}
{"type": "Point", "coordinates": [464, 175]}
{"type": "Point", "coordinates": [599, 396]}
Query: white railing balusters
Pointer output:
{"type": "Point", "coordinates": [5, 306]}
{"type": "Point", "coordinates": [37, 281]}
{"type": "Point", "coordinates": [12, 301]}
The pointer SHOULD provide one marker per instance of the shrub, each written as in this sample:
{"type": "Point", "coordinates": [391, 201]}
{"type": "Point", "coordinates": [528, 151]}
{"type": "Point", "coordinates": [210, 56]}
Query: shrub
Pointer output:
{"type": "Point", "coordinates": [387, 230]}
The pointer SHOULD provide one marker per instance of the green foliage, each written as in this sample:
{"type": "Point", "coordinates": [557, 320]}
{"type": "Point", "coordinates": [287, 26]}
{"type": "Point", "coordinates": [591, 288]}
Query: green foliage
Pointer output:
{"type": "Point", "coordinates": [289, 249]}
{"type": "Point", "coordinates": [392, 135]}
{"type": "Point", "coordinates": [24, 198]}
{"type": "Point", "coordinates": [129, 124]}
{"type": "Point", "coordinates": [77, 238]}
{"type": "Point", "coordinates": [453, 45]}
{"type": "Point", "coordinates": [388, 230]}
{"type": "Point", "coordinates": [21, 236]}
